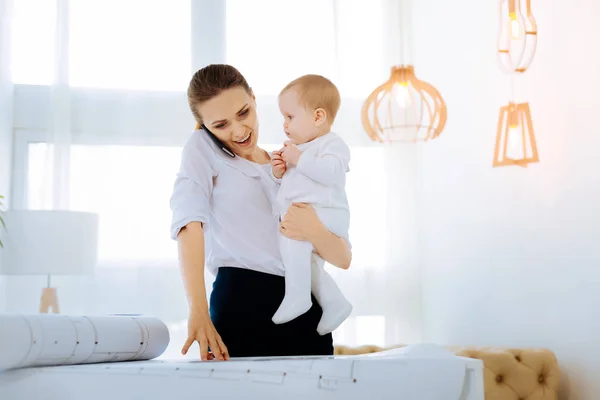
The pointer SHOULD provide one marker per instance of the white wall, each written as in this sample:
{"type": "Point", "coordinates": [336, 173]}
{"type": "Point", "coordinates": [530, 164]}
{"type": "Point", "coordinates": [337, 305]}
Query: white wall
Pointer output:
{"type": "Point", "coordinates": [510, 256]}
{"type": "Point", "coordinates": [6, 92]}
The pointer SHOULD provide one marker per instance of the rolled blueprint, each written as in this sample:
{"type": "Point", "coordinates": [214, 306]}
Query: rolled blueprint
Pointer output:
{"type": "Point", "coordinates": [51, 339]}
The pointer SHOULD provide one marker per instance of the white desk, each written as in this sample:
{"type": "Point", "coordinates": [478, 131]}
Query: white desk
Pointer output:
{"type": "Point", "coordinates": [412, 373]}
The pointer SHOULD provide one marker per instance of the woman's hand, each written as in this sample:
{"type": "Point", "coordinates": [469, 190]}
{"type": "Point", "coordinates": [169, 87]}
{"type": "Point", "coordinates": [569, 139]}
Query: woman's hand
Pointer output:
{"type": "Point", "coordinates": [301, 222]}
{"type": "Point", "coordinates": [202, 330]}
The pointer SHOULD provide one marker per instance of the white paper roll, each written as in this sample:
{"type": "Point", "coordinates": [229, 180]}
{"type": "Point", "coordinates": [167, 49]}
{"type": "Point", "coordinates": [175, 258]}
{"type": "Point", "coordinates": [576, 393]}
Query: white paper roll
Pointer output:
{"type": "Point", "coordinates": [51, 339]}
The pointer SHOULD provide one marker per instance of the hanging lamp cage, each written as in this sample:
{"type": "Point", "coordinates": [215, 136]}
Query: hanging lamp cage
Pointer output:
{"type": "Point", "coordinates": [517, 42]}
{"type": "Point", "coordinates": [515, 139]}
{"type": "Point", "coordinates": [517, 36]}
{"type": "Point", "coordinates": [404, 109]}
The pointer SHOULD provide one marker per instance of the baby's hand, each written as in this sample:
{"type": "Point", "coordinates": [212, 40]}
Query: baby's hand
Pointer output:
{"type": "Point", "coordinates": [291, 153]}
{"type": "Point", "coordinates": [277, 164]}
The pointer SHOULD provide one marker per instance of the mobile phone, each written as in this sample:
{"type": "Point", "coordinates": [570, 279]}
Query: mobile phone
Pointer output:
{"type": "Point", "coordinates": [219, 144]}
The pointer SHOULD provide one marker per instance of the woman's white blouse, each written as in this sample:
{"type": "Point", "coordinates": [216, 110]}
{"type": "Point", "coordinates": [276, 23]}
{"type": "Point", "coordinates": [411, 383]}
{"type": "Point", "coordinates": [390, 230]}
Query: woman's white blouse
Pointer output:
{"type": "Point", "coordinates": [232, 197]}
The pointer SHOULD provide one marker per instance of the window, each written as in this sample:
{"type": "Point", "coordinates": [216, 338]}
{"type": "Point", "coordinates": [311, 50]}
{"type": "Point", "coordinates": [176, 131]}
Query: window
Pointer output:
{"type": "Point", "coordinates": [272, 42]}
{"type": "Point", "coordinates": [340, 39]}
{"type": "Point", "coordinates": [130, 44]}
{"type": "Point", "coordinates": [146, 45]}
{"type": "Point", "coordinates": [113, 44]}
{"type": "Point", "coordinates": [131, 197]}
{"type": "Point", "coordinates": [33, 41]}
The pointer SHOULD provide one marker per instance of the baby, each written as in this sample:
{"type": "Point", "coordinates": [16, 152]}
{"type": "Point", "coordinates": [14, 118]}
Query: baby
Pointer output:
{"type": "Point", "coordinates": [312, 169]}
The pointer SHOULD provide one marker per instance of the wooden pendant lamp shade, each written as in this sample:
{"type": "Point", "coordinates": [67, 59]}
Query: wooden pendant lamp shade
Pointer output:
{"type": "Point", "coordinates": [515, 141]}
{"type": "Point", "coordinates": [517, 36]}
{"type": "Point", "coordinates": [404, 108]}
{"type": "Point", "coordinates": [517, 42]}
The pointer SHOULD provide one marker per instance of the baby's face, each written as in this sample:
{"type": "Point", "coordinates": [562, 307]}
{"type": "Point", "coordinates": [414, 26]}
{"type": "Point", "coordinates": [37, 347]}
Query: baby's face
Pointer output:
{"type": "Point", "coordinates": [298, 122]}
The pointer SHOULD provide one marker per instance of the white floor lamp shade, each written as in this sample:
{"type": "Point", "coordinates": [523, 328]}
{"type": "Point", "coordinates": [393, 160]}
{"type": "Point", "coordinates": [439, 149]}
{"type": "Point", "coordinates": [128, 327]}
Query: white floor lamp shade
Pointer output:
{"type": "Point", "coordinates": [49, 242]}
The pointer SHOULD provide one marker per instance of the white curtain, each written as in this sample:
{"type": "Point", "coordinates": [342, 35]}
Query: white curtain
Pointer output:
{"type": "Point", "coordinates": [106, 109]}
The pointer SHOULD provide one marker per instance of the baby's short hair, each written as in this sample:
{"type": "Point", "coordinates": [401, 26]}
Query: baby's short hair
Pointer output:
{"type": "Point", "coordinates": [316, 91]}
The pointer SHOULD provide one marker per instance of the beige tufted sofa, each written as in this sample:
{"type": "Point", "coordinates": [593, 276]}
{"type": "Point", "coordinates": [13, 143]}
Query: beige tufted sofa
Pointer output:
{"type": "Point", "coordinates": [509, 374]}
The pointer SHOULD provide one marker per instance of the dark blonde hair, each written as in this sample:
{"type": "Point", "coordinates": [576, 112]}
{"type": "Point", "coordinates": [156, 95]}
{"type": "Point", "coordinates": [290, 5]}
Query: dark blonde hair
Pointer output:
{"type": "Point", "coordinates": [316, 91]}
{"type": "Point", "coordinates": [210, 81]}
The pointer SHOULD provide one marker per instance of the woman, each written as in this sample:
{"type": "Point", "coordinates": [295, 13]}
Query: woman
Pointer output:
{"type": "Point", "coordinates": [222, 215]}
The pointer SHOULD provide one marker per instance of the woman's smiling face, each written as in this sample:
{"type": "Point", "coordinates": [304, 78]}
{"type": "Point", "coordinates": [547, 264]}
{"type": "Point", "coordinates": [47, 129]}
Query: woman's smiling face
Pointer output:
{"type": "Point", "coordinates": [231, 117]}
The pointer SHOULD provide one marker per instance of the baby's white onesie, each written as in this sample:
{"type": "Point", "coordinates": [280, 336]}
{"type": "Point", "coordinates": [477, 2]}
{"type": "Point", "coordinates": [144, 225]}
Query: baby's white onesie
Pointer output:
{"type": "Point", "coordinates": [320, 180]}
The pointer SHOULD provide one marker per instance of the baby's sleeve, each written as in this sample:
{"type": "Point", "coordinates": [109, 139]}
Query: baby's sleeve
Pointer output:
{"type": "Point", "coordinates": [329, 165]}
{"type": "Point", "coordinates": [192, 190]}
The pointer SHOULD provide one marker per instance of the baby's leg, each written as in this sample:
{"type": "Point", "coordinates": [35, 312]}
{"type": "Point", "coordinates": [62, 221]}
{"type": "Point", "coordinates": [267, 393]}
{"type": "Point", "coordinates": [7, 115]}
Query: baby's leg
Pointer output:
{"type": "Point", "coordinates": [296, 260]}
{"type": "Point", "coordinates": [336, 308]}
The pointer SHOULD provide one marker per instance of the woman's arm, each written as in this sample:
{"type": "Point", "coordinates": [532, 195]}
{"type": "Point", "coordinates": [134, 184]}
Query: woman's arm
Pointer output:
{"type": "Point", "coordinates": [190, 203]}
{"type": "Point", "coordinates": [191, 258]}
{"type": "Point", "coordinates": [331, 248]}
{"type": "Point", "coordinates": [200, 327]}
{"type": "Point", "coordinates": [302, 223]}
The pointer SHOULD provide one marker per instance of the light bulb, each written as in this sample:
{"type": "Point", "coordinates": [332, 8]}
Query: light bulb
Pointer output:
{"type": "Point", "coordinates": [515, 29]}
{"type": "Point", "coordinates": [401, 94]}
{"type": "Point", "coordinates": [513, 136]}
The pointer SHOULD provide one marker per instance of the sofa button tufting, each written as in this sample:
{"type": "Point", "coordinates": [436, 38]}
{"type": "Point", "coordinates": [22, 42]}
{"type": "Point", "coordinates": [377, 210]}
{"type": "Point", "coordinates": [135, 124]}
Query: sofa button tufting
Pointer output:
{"type": "Point", "coordinates": [499, 378]}
{"type": "Point", "coordinates": [541, 379]}
{"type": "Point", "coordinates": [518, 358]}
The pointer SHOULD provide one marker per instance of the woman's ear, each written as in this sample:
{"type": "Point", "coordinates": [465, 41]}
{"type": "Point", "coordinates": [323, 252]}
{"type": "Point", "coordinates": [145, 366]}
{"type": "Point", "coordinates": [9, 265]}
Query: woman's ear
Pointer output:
{"type": "Point", "coordinates": [320, 116]}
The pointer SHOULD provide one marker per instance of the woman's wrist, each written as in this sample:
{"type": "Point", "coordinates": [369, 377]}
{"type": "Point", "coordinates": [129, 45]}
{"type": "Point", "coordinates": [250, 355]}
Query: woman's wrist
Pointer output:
{"type": "Point", "coordinates": [319, 233]}
{"type": "Point", "coordinates": [199, 308]}
{"type": "Point", "coordinates": [332, 248]}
